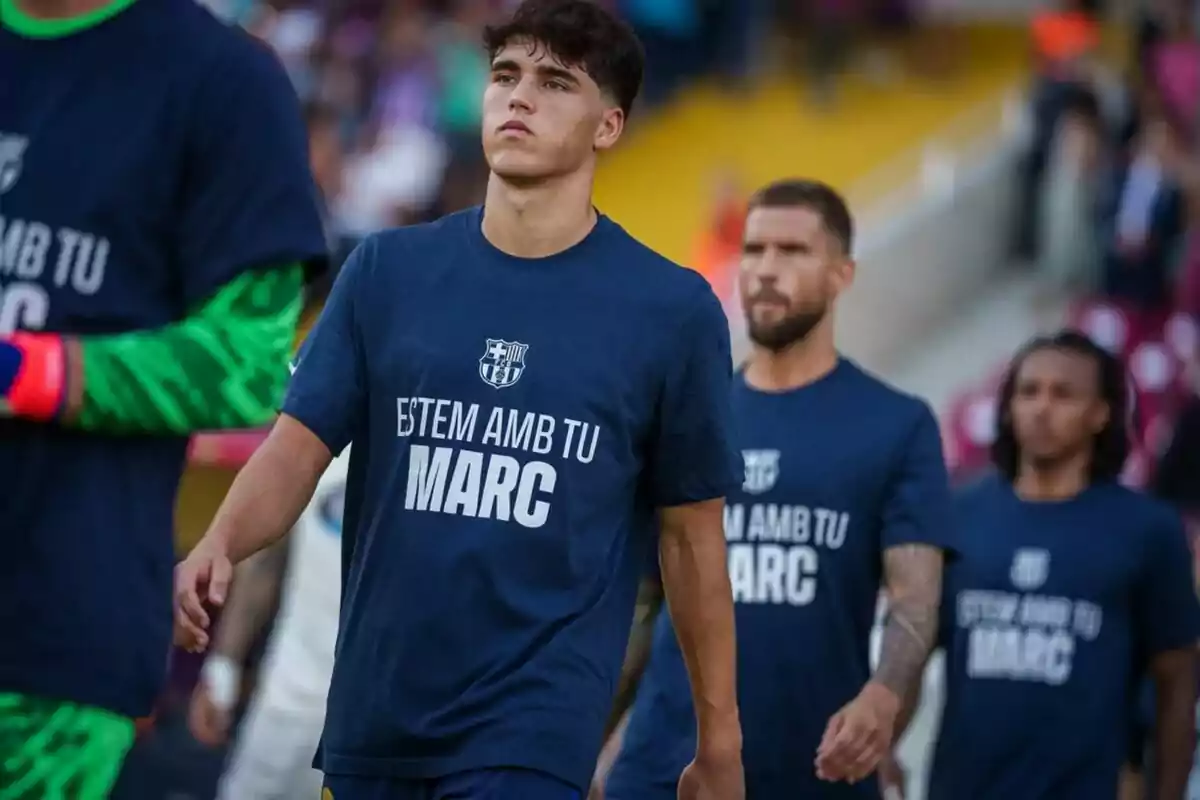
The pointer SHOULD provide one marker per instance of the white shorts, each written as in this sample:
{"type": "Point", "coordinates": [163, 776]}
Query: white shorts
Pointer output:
{"type": "Point", "coordinates": [272, 758]}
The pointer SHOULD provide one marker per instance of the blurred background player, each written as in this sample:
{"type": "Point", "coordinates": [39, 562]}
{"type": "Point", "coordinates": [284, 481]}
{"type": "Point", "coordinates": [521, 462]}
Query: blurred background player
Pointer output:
{"type": "Point", "coordinates": [1067, 587]}
{"type": "Point", "coordinates": [528, 403]}
{"type": "Point", "coordinates": [272, 759]}
{"type": "Point", "coordinates": [157, 215]}
{"type": "Point", "coordinates": [844, 486]}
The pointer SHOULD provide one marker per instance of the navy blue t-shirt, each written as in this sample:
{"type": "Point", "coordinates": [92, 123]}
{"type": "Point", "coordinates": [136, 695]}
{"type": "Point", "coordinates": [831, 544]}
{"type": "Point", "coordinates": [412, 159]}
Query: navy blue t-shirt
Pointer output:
{"type": "Point", "coordinates": [1050, 614]}
{"type": "Point", "coordinates": [516, 422]}
{"type": "Point", "coordinates": [144, 163]}
{"type": "Point", "coordinates": [835, 472]}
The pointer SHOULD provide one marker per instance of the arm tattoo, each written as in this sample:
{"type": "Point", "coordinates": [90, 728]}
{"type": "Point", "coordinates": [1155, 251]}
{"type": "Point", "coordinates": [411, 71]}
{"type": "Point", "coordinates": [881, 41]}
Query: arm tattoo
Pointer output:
{"type": "Point", "coordinates": [637, 655]}
{"type": "Point", "coordinates": [913, 573]}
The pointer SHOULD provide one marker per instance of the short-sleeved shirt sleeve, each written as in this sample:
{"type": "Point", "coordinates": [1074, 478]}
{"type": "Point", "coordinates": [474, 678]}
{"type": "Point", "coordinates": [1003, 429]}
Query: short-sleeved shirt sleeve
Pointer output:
{"type": "Point", "coordinates": [917, 509]}
{"type": "Point", "coordinates": [249, 200]}
{"type": "Point", "coordinates": [1168, 609]}
{"type": "Point", "coordinates": [693, 457]}
{"type": "Point", "coordinates": [328, 390]}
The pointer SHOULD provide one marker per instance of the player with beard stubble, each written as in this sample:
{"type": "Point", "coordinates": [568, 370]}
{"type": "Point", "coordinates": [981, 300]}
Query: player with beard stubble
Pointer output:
{"type": "Point", "coordinates": [844, 492]}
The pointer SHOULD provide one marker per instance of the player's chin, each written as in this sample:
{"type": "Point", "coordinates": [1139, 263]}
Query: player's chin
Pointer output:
{"type": "Point", "coordinates": [515, 165]}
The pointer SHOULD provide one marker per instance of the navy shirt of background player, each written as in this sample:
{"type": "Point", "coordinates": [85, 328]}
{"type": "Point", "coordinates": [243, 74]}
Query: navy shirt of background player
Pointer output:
{"type": "Point", "coordinates": [1049, 616]}
{"type": "Point", "coordinates": [144, 163]}
{"type": "Point", "coordinates": [515, 422]}
{"type": "Point", "coordinates": [835, 472]}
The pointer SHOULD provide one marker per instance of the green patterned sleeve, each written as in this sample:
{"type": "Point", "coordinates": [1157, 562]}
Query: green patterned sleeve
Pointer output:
{"type": "Point", "coordinates": [225, 366]}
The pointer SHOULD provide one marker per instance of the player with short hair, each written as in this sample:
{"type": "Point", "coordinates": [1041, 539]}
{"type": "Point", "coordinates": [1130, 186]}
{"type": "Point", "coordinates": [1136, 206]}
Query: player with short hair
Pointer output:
{"type": "Point", "coordinates": [844, 488]}
{"type": "Point", "coordinates": [534, 397]}
{"type": "Point", "coordinates": [1067, 587]}
{"type": "Point", "coordinates": [156, 214]}
{"type": "Point", "coordinates": [272, 757]}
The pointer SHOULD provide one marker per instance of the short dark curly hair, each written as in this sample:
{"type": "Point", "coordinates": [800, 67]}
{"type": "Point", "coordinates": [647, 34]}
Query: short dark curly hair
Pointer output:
{"type": "Point", "coordinates": [582, 34]}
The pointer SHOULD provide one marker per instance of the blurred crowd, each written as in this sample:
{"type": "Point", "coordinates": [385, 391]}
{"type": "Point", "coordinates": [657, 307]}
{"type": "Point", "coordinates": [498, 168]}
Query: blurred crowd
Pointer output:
{"type": "Point", "coordinates": [392, 88]}
{"type": "Point", "coordinates": [1109, 203]}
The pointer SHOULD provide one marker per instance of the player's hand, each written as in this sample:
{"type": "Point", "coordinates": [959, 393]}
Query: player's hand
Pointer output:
{"type": "Point", "coordinates": [713, 778]}
{"type": "Point", "coordinates": [207, 721]}
{"type": "Point", "coordinates": [858, 736]}
{"type": "Point", "coordinates": [893, 782]}
{"type": "Point", "coordinates": [201, 578]}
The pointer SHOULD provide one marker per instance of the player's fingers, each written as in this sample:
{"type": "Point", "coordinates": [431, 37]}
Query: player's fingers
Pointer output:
{"type": "Point", "coordinates": [832, 728]}
{"type": "Point", "coordinates": [187, 594]}
{"type": "Point", "coordinates": [847, 746]}
{"type": "Point", "coordinates": [188, 634]}
{"type": "Point", "coordinates": [219, 575]}
{"type": "Point", "coordinates": [867, 760]}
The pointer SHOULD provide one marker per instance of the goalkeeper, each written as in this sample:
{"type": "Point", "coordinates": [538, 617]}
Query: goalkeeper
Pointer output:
{"type": "Point", "coordinates": [156, 216]}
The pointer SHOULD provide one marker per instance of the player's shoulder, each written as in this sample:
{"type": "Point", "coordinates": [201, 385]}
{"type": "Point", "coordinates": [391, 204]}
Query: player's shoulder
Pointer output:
{"type": "Point", "coordinates": [891, 403]}
{"type": "Point", "coordinates": [1135, 509]}
{"type": "Point", "coordinates": [413, 244]}
{"type": "Point", "coordinates": [221, 55]}
{"type": "Point", "coordinates": [652, 280]}
{"type": "Point", "coordinates": [980, 497]}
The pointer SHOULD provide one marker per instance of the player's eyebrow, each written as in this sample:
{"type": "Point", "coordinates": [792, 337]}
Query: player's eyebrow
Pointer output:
{"type": "Point", "coordinates": [543, 70]}
{"type": "Point", "coordinates": [565, 75]}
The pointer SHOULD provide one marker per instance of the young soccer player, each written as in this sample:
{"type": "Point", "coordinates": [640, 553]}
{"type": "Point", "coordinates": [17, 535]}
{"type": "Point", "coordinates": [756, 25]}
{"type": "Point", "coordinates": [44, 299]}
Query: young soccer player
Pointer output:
{"type": "Point", "coordinates": [1068, 586]}
{"type": "Point", "coordinates": [272, 759]}
{"type": "Point", "coordinates": [534, 397]}
{"type": "Point", "coordinates": [844, 488]}
{"type": "Point", "coordinates": [155, 207]}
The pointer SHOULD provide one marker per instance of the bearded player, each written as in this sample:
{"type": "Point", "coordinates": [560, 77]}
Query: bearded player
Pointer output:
{"type": "Point", "coordinates": [536, 399]}
{"type": "Point", "coordinates": [156, 208]}
{"type": "Point", "coordinates": [845, 490]}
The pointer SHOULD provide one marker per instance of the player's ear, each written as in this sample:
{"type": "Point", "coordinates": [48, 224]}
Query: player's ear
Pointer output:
{"type": "Point", "coordinates": [844, 272]}
{"type": "Point", "coordinates": [608, 131]}
{"type": "Point", "coordinates": [1100, 416]}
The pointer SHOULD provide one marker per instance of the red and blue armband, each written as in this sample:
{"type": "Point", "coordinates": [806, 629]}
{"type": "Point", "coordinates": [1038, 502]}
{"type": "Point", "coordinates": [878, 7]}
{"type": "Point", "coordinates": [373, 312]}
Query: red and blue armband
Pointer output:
{"type": "Point", "coordinates": [33, 376]}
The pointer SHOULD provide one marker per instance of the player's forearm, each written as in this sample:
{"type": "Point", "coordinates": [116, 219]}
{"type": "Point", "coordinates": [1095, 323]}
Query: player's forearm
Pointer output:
{"type": "Point", "coordinates": [696, 581]}
{"type": "Point", "coordinates": [1175, 724]}
{"type": "Point", "coordinates": [638, 652]}
{"type": "Point", "coordinates": [271, 491]}
{"type": "Point", "coordinates": [914, 582]}
{"type": "Point", "coordinates": [225, 366]}
{"type": "Point", "coordinates": [253, 598]}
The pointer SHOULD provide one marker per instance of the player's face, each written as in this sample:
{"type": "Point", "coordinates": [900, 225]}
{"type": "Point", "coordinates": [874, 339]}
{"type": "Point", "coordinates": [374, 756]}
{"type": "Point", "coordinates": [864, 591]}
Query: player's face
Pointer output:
{"type": "Point", "coordinates": [792, 269]}
{"type": "Point", "coordinates": [1056, 406]}
{"type": "Point", "coordinates": [541, 118]}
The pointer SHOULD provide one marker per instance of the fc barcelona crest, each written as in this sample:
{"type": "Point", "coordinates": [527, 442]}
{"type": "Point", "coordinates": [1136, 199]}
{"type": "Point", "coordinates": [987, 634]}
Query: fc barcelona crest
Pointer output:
{"type": "Point", "coordinates": [762, 470]}
{"type": "Point", "coordinates": [12, 155]}
{"type": "Point", "coordinates": [503, 363]}
{"type": "Point", "coordinates": [1030, 568]}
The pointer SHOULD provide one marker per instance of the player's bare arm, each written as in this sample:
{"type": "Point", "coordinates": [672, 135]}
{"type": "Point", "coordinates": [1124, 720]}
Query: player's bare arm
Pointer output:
{"type": "Point", "coordinates": [263, 504]}
{"type": "Point", "coordinates": [1174, 674]}
{"type": "Point", "coordinates": [913, 579]}
{"type": "Point", "coordinates": [862, 733]}
{"type": "Point", "coordinates": [637, 655]}
{"type": "Point", "coordinates": [696, 583]}
{"type": "Point", "coordinates": [253, 598]}
{"type": "Point", "coordinates": [650, 600]}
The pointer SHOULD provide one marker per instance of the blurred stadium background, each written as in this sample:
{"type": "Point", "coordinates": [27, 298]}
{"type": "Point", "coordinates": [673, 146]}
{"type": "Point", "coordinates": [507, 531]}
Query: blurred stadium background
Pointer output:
{"type": "Point", "coordinates": [1014, 165]}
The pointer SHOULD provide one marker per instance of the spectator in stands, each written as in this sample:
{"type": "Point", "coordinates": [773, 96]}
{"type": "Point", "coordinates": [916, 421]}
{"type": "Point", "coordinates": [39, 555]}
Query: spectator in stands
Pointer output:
{"type": "Point", "coordinates": [1173, 64]}
{"type": "Point", "coordinates": [1064, 44]}
{"type": "Point", "coordinates": [1069, 253]}
{"type": "Point", "coordinates": [463, 74]}
{"type": "Point", "coordinates": [1145, 214]}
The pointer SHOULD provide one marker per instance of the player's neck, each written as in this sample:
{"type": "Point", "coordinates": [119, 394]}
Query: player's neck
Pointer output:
{"type": "Point", "coordinates": [59, 9]}
{"type": "Point", "coordinates": [797, 365]}
{"type": "Point", "coordinates": [540, 220]}
{"type": "Point", "coordinates": [1039, 484]}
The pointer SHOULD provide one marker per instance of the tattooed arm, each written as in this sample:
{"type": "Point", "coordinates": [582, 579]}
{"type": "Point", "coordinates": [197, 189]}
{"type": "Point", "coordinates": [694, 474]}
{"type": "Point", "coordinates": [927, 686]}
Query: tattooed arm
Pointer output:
{"type": "Point", "coordinates": [913, 578]}
{"type": "Point", "coordinates": [637, 654]}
